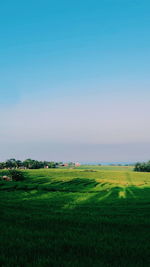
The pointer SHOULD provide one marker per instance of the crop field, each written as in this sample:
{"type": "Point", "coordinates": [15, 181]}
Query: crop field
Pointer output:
{"type": "Point", "coordinates": [88, 216]}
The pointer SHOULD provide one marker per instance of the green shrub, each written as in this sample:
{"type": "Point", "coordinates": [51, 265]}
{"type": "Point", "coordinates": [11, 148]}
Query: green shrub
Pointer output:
{"type": "Point", "coordinates": [142, 167]}
{"type": "Point", "coordinates": [16, 175]}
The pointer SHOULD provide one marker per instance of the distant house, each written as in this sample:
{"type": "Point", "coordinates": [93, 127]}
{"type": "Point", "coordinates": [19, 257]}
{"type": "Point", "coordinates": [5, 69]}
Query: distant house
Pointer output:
{"type": "Point", "coordinates": [77, 164]}
{"type": "Point", "coordinates": [65, 164]}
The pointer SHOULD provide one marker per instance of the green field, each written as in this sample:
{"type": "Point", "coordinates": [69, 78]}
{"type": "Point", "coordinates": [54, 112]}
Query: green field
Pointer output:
{"type": "Point", "coordinates": [89, 216]}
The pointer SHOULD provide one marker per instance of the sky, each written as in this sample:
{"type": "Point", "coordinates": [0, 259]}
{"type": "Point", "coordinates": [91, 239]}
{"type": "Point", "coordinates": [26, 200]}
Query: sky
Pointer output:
{"type": "Point", "coordinates": [74, 80]}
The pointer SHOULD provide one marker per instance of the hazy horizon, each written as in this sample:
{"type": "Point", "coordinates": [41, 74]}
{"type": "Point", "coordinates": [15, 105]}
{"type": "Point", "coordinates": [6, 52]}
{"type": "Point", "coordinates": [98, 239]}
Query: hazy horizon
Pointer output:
{"type": "Point", "coordinates": [75, 80]}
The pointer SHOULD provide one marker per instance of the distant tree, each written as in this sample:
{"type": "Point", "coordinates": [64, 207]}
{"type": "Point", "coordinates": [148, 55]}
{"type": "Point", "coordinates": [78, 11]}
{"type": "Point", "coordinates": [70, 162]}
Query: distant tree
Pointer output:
{"type": "Point", "coordinates": [52, 164]}
{"type": "Point", "coordinates": [19, 163]}
{"type": "Point", "coordinates": [2, 165]}
{"type": "Point", "coordinates": [11, 163]}
{"type": "Point", "coordinates": [71, 164]}
{"type": "Point", "coordinates": [142, 167]}
{"type": "Point", "coordinates": [36, 164]}
{"type": "Point", "coordinates": [28, 163]}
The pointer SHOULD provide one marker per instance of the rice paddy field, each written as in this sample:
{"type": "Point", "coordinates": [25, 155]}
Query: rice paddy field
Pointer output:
{"type": "Point", "coordinates": [88, 216]}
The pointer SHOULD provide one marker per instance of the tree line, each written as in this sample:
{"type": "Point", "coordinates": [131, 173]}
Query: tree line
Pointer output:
{"type": "Point", "coordinates": [142, 166]}
{"type": "Point", "coordinates": [28, 164]}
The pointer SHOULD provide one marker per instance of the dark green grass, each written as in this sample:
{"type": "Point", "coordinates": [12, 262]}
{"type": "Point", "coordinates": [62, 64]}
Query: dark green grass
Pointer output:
{"type": "Point", "coordinates": [76, 218]}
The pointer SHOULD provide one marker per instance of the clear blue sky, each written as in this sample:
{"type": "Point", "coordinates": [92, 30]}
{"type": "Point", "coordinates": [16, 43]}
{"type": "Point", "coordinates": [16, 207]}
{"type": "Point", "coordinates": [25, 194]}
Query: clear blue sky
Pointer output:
{"type": "Point", "coordinates": [74, 73]}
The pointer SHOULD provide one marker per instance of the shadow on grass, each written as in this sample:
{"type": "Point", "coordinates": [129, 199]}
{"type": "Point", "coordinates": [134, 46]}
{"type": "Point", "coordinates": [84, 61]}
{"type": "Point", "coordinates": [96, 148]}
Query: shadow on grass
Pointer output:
{"type": "Point", "coordinates": [74, 185]}
{"type": "Point", "coordinates": [63, 228]}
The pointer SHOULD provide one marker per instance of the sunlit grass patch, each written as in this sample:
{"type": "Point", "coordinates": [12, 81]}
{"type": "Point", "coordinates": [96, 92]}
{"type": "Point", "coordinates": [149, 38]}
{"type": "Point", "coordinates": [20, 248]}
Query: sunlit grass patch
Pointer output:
{"type": "Point", "coordinates": [122, 194]}
{"type": "Point", "coordinates": [77, 201]}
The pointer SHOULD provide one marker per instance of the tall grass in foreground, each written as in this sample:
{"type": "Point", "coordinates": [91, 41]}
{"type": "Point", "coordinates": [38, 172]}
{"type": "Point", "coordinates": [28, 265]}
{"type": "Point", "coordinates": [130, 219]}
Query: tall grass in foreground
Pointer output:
{"type": "Point", "coordinates": [76, 218]}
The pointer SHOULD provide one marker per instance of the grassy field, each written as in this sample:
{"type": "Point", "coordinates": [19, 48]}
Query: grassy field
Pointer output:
{"type": "Point", "coordinates": [89, 216]}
